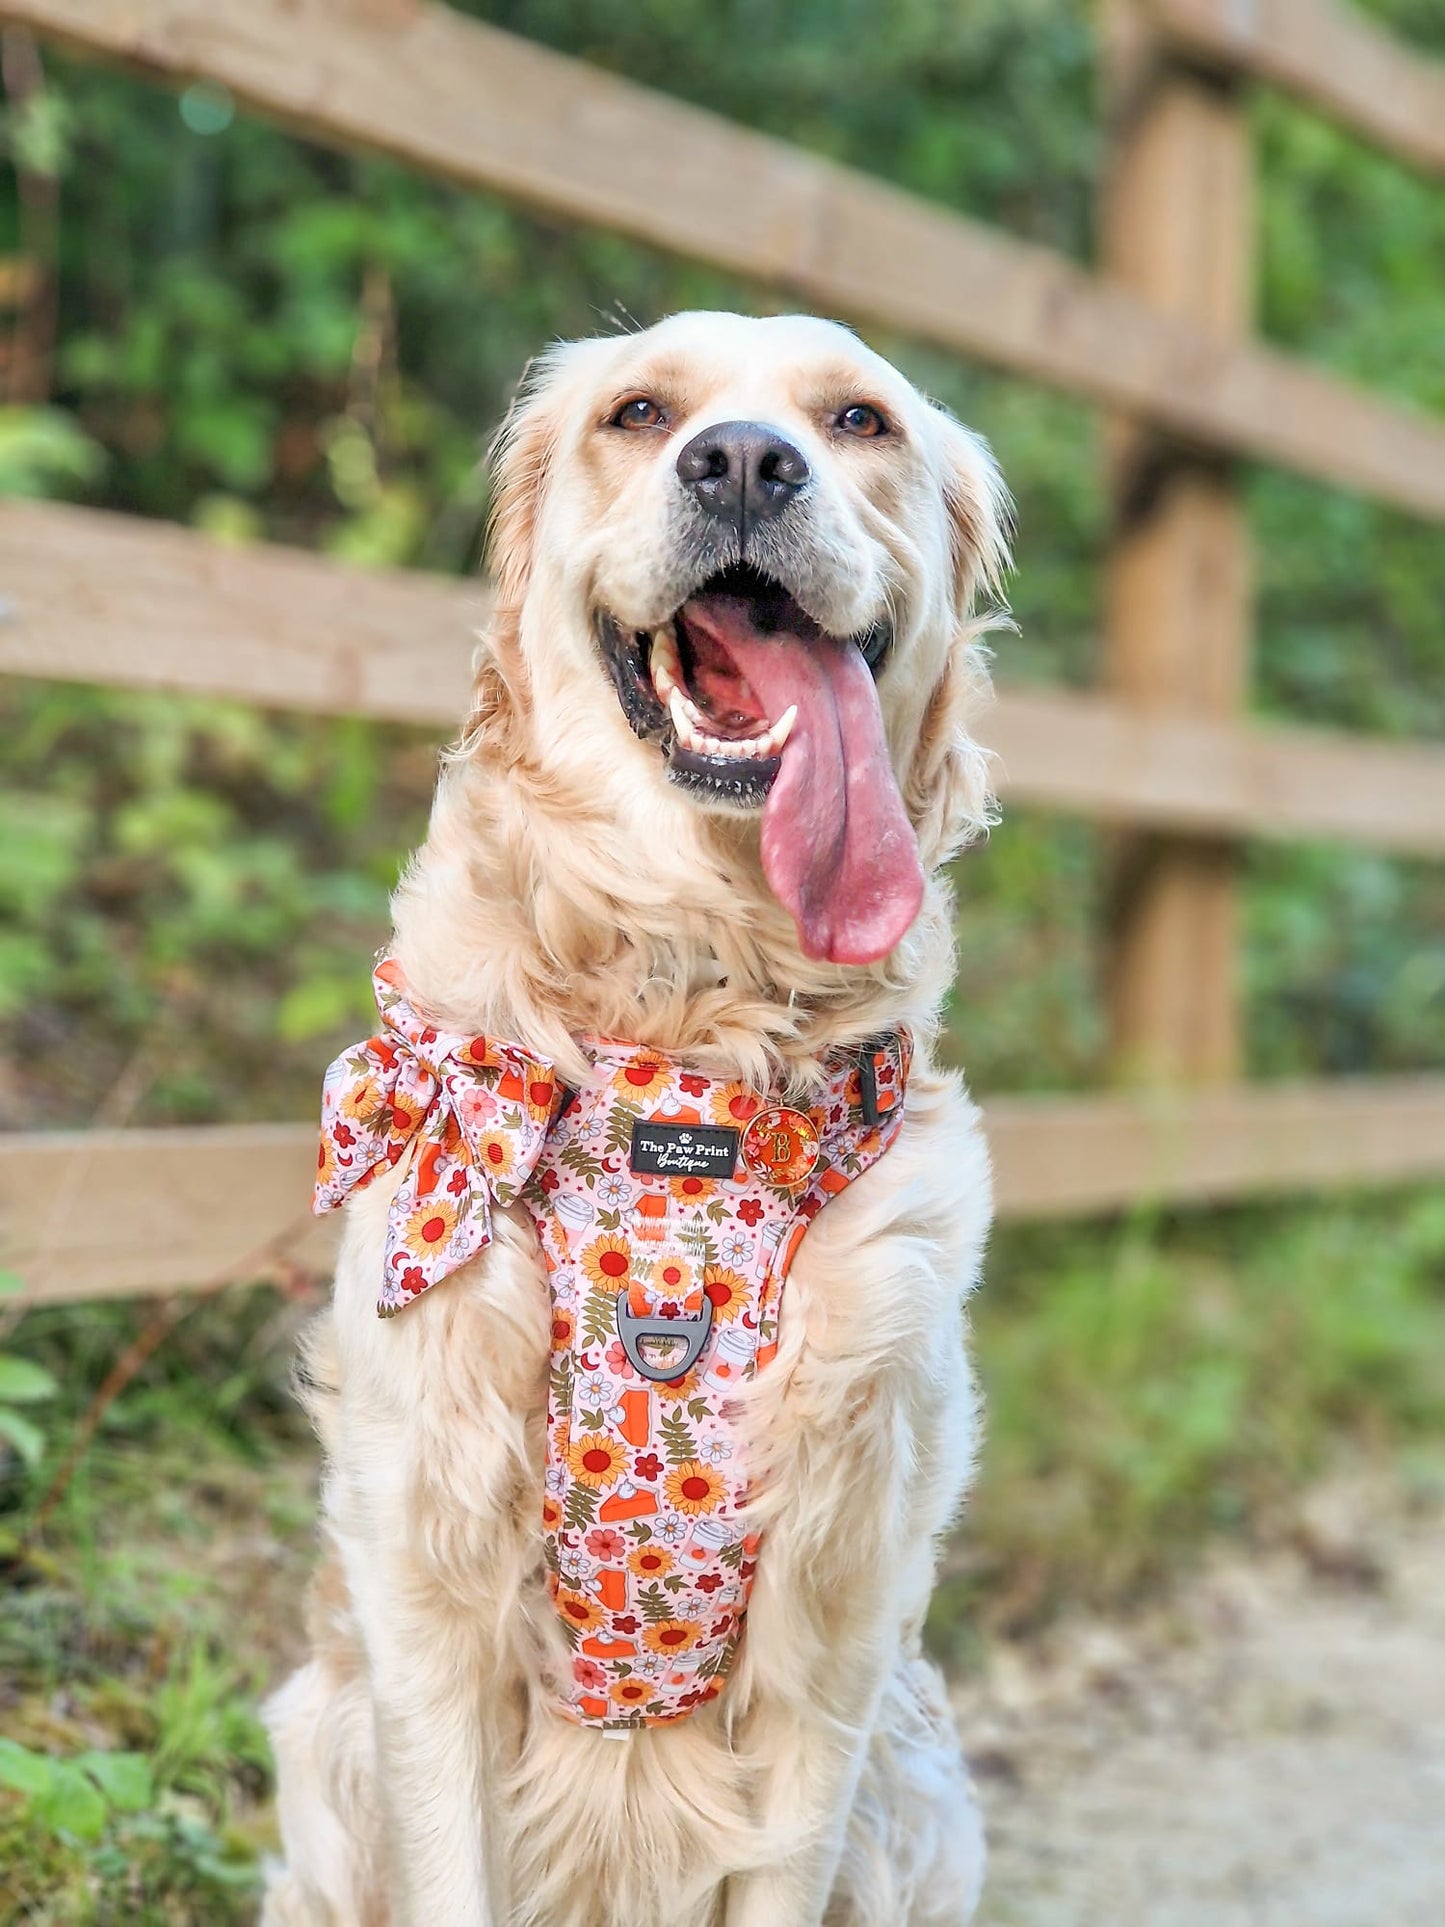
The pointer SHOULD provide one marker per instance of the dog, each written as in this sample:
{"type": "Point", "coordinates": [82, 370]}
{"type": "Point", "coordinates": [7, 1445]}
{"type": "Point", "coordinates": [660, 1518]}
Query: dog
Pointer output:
{"type": "Point", "coordinates": [717, 761]}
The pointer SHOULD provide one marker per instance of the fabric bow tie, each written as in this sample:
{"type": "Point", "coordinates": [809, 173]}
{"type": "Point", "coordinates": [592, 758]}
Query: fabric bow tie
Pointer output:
{"type": "Point", "coordinates": [466, 1117]}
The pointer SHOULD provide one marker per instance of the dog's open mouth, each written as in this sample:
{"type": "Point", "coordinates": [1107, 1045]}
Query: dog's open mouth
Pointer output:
{"type": "Point", "coordinates": [754, 706]}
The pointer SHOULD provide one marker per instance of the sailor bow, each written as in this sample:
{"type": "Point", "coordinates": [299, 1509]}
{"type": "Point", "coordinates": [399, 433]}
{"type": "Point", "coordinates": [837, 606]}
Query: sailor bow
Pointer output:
{"type": "Point", "coordinates": [464, 1119]}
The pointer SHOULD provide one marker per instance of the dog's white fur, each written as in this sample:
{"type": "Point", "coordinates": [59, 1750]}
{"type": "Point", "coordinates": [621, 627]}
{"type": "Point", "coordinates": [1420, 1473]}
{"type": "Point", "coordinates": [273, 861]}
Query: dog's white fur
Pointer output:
{"type": "Point", "coordinates": [566, 887]}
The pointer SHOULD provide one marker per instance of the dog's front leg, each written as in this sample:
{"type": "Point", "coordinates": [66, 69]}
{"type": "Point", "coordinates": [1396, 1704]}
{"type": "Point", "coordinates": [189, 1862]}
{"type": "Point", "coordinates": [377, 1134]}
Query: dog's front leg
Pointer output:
{"type": "Point", "coordinates": [427, 1687]}
{"type": "Point", "coordinates": [864, 1438]}
{"type": "Point", "coordinates": [812, 1779]}
{"type": "Point", "coordinates": [427, 1462]}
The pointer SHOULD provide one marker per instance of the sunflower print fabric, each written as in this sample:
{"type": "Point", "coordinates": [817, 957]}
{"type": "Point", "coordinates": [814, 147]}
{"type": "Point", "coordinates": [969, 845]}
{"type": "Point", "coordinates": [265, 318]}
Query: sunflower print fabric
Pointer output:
{"type": "Point", "coordinates": [649, 1554]}
{"type": "Point", "coordinates": [649, 1557]}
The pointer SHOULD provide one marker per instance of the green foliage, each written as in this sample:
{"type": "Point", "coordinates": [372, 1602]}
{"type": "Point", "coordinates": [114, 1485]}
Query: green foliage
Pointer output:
{"type": "Point", "coordinates": [138, 1628]}
{"type": "Point", "coordinates": [1151, 1385]}
{"type": "Point", "coordinates": [76, 1798]}
{"type": "Point", "coordinates": [43, 452]}
{"type": "Point", "coordinates": [190, 889]}
{"type": "Point", "coordinates": [22, 1382]}
{"type": "Point", "coordinates": [98, 1828]}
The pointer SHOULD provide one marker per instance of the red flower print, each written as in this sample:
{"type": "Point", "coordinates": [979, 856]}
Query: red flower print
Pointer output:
{"type": "Point", "coordinates": [605, 1544]}
{"type": "Point", "coordinates": [550, 1180]}
{"type": "Point", "coordinates": [649, 1466]}
{"type": "Point", "coordinates": [413, 1279]}
{"type": "Point", "coordinates": [709, 1581]}
{"type": "Point", "coordinates": [457, 1182]}
{"type": "Point", "coordinates": [344, 1135]}
{"type": "Point", "coordinates": [591, 1677]}
{"type": "Point", "coordinates": [625, 1622]}
{"type": "Point", "coordinates": [694, 1086]}
{"type": "Point", "coordinates": [750, 1210]}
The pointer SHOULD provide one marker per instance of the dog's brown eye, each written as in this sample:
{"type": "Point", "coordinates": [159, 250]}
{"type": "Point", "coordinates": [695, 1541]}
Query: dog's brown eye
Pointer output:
{"type": "Point", "coordinates": [864, 420]}
{"type": "Point", "coordinates": [641, 412]}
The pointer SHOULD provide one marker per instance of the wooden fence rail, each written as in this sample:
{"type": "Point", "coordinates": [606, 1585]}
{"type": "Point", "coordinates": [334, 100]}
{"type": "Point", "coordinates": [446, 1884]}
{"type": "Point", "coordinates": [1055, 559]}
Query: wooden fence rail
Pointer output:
{"type": "Point", "coordinates": [1331, 56]}
{"type": "Point", "coordinates": [87, 596]}
{"type": "Point", "coordinates": [102, 1214]}
{"type": "Point", "coordinates": [105, 598]}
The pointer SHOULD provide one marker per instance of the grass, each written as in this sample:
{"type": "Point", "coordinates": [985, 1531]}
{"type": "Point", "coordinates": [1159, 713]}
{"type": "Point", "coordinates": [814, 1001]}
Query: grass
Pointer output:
{"type": "Point", "coordinates": [1150, 1387]}
{"type": "Point", "coordinates": [139, 1630]}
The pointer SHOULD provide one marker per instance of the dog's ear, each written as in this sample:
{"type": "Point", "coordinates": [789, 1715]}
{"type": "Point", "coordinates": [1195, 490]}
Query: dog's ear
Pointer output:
{"type": "Point", "coordinates": [948, 790]}
{"type": "Point", "coordinates": [520, 459]}
{"type": "Point", "coordinates": [980, 513]}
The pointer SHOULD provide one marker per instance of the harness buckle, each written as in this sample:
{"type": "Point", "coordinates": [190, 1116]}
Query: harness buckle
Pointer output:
{"type": "Point", "coordinates": [868, 1080]}
{"type": "Point", "coordinates": [689, 1333]}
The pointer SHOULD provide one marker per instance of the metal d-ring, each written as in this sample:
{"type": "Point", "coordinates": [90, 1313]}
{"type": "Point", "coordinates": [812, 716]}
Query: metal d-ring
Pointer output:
{"type": "Point", "coordinates": [633, 1331]}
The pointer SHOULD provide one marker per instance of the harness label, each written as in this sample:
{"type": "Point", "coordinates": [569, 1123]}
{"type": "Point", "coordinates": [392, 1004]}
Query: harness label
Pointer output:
{"type": "Point", "coordinates": [682, 1150]}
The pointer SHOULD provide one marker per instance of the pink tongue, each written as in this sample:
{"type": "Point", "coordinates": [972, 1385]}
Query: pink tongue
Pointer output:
{"type": "Point", "coordinates": [838, 849]}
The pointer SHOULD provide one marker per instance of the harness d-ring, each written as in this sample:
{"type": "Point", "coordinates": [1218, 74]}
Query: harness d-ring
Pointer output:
{"type": "Point", "coordinates": [635, 1332]}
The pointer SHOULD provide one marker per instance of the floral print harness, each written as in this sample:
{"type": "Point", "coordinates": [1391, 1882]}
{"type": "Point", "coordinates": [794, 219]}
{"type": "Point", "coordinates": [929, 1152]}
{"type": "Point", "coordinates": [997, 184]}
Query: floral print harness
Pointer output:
{"type": "Point", "coordinates": [669, 1206]}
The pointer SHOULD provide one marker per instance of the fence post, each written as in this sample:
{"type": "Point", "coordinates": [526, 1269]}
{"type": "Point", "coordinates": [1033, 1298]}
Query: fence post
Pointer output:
{"type": "Point", "coordinates": [1177, 229]}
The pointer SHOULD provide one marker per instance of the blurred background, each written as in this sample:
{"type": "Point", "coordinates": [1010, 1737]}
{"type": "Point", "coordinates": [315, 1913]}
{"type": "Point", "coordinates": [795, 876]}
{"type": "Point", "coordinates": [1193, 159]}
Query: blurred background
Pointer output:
{"type": "Point", "coordinates": [1215, 1435]}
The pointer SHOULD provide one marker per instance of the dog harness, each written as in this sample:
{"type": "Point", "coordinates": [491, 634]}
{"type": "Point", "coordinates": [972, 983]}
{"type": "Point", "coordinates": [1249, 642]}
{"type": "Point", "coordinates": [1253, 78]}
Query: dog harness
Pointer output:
{"type": "Point", "coordinates": [669, 1206]}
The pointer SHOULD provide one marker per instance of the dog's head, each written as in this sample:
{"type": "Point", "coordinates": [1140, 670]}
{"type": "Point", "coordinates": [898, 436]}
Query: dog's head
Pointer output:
{"type": "Point", "coordinates": [736, 562]}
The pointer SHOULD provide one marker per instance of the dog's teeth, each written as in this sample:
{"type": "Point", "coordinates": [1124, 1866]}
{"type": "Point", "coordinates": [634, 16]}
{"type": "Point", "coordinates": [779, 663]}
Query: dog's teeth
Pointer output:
{"type": "Point", "coordinates": [714, 745]}
{"type": "Point", "coordinates": [683, 714]}
{"type": "Point", "coordinates": [685, 720]}
{"type": "Point", "coordinates": [666, 669]}
{"type": "Point", "coordinates": [782, 729]}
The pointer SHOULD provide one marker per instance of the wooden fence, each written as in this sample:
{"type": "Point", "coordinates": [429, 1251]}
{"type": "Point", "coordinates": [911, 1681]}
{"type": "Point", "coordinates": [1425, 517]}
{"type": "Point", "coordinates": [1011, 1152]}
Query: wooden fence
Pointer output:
{"type": "Point", "coordinates": [1161, 340]}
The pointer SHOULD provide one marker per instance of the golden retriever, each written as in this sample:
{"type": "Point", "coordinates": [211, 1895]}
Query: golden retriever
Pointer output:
{"type": "Point", "coordinates": [716, 764]}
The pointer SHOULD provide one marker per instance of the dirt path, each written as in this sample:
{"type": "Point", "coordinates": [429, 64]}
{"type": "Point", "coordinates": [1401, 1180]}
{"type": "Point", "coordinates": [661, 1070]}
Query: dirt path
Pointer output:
{"type": "Point", "coordinates": [1267, 1752]}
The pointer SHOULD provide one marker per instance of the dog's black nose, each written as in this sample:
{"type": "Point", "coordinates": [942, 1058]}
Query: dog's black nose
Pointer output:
{"type": "Point", "coordinates": [742, 472]}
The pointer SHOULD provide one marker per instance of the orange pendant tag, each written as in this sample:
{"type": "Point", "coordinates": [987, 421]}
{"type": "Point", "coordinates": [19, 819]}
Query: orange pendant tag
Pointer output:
{"type": "Point", "coordinates": [781, 1146]}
